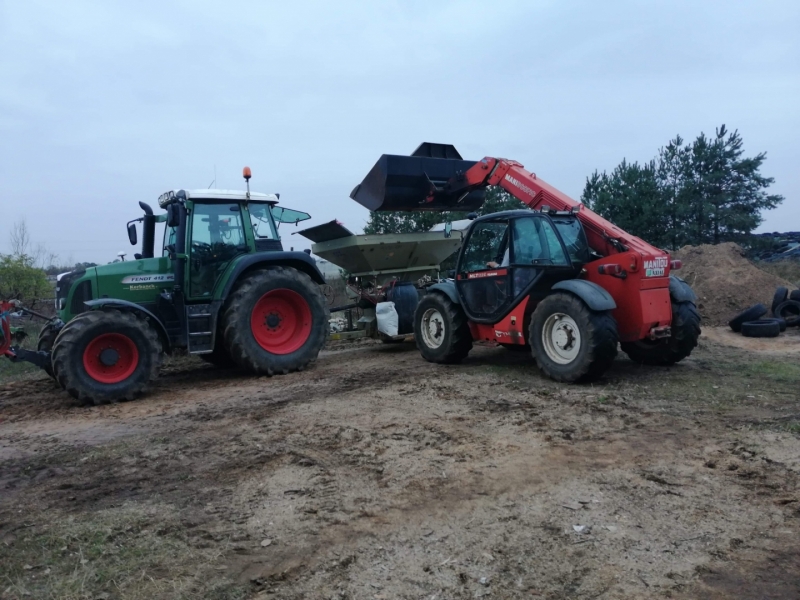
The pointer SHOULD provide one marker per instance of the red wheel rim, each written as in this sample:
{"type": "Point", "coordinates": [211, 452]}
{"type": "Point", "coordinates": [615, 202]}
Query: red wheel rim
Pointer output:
{"type": "Point", "coordinates": [110, 358]}
{"type": "Point", "coordinates": [281, 321]}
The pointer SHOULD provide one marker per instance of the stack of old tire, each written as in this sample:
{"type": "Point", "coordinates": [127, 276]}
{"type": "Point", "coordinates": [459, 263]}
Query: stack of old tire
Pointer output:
{"type": "Point", "coordinates": [785, 313]}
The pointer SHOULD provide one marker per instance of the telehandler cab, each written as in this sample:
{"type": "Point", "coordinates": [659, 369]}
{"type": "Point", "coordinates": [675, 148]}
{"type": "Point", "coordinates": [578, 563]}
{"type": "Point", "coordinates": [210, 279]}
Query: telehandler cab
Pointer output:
{"type": "Point", "coordinates": [223, 289]}
{"type": "Point", "coordinates": [559, 280]}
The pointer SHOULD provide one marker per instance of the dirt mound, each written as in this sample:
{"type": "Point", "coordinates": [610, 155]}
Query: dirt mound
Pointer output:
{"type": "Point", "coordinates": [725, 281]}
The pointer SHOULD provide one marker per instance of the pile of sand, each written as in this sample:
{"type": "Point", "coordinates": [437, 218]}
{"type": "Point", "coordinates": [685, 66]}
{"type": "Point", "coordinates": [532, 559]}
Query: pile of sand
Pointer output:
{"type": "Point", "coordinates": [725, 281]}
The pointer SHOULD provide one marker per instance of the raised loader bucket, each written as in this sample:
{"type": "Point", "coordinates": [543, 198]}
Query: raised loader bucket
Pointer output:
{"type": "Point", "coordinates": [409, 182]}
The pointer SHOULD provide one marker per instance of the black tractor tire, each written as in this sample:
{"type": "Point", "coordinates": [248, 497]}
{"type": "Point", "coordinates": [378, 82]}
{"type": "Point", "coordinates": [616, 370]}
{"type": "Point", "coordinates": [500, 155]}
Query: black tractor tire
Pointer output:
{"type": "Point", "coordinates": [753, 313]}
{"type": "Point", "coordinates": [106, 356]}
{"type": "Point", "coordinates": [275, 321]}
{"type": "Point", "coordinates": [781, 295]}
{"type": "Point", "coordinates": [789, 311]}
{"type": "Point", "coordinates": [441, 330]}
{"type": "Point", "coordinates": [766, 328]}
{"type": "Point", "coordinates": [552, 337]}
{"type": "Point", "coordinates": [47, 337]}
{"type": "Point", "coordinates": [794, 295]}
{"type": "Point", "coordinates": [679, 345]}
{"type": "Point", "coordinates": [219, 357]}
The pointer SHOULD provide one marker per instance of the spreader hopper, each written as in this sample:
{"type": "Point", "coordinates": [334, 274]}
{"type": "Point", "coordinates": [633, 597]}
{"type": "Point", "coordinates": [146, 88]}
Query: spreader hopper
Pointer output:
{"type": "Point", "coordinates": [382, 254]}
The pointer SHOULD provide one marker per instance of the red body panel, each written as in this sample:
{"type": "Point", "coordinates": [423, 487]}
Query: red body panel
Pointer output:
{"type": "Point", "coordinates": [508, 331]}
{"type": "Point", "coordinates": [642, 295]}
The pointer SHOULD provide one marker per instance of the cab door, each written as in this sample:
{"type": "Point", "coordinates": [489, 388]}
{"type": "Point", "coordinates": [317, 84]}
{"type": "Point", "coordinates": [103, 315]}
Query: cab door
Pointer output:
{"type": "Point", "coordinates": [505, 260]}
{"type": "Point", "coordinates": [482, 274]}
{"type": "Point", "coordinates": [216, 237]}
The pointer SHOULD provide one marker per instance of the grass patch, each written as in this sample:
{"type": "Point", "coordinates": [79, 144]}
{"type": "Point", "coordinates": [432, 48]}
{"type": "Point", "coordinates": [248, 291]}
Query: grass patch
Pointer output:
{"type": "Point", "coordinates": [129, 553]}
{"type": "Point", "coordinates": [779, 371]}
{"type": "Point", "coordinates": [787, 269]}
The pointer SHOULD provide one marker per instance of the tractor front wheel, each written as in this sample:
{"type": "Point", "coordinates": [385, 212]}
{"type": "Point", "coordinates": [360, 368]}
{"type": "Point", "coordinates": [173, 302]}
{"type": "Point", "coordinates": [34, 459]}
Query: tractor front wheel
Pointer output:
{"type": "Point", "coordinates": [571, 342]}
{"type": "Point", "coordinates": [275, 321]}
{"type": "Point", "coordinates": [683, 339]}
{"type": "Point", "coordinates": [441, 330]}
{"type": "Point", "coordinates": [47, 337]}
{"type": "Point", "coordinates": [106, 356]}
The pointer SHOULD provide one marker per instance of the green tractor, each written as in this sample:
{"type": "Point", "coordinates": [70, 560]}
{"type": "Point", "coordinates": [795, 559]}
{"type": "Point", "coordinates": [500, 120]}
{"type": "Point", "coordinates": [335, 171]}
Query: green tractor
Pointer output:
{"type": "Point", "coordinates": [223, 289]}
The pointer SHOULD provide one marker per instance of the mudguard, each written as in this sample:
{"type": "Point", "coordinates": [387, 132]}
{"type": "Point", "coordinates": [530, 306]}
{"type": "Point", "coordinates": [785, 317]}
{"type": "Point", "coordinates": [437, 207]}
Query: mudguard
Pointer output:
{"type": "Point", "coordinates": [592, 294]}
{"type": "Point", "coordinates": [448, 288]}
{"type": "Point", "coordinates": [103, 303]}
{"type": "Point", "coordinates": [680, 291]}
{"type": "Point", "coordinates": [296, 260]}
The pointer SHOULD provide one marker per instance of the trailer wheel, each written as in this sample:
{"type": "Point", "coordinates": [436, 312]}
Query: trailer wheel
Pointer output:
{"type": "Point", "coordinates": [106, 356]}
{"type": "Point", "coordinates": [685, 333]}
{"type": "Point", "coordinates": [571, 342]}
{"type": "Point", "coordinates": [275, 321]}
{"type": "Point", "coordinates": [47, 337]}
{"type": "Point", "coordinates": [441, 330]}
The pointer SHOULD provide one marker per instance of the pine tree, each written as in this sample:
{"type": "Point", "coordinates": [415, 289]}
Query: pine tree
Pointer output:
{"type": "Point", "coordinates": [496, 200]}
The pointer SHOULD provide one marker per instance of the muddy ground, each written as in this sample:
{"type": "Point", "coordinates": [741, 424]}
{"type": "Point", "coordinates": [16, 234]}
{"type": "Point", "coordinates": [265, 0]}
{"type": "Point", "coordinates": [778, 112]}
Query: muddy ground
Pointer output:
{"type": "Point", "coordinates": [377, 475]}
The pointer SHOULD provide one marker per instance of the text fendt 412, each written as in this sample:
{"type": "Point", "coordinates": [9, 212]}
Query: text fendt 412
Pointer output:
{"type": "Point", "coordinates": [559, 281]}
{"type": "Point", "coordinates": [224, 289]}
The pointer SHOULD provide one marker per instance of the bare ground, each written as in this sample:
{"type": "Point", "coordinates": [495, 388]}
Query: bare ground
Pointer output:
{"type": "Point", "coordinates": [377, 475]}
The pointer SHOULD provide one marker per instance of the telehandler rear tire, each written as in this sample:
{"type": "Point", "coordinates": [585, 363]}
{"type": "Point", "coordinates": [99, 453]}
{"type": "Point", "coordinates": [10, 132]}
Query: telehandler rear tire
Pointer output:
{"type": "Point", "coordinates": [275, 321]}
{"type": "Point", "coordinates": [571, 342]}
{"type": "Point", "coordinates": [106, 356]}
{"type": "Point", "coordinates": [441, 330]}
{"type": "Point", "coordinates": [685, 333]}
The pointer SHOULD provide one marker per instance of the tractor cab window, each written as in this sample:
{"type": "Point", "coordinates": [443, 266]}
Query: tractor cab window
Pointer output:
{"type": "Point", "coordinates": [263, 223]}
{"type": "Point", "coordinates": [536, 243]}
{"type": "Point", "coordinates": [217, 236]}
{"type": "Point", "coordinates": [169, 240]}
{"type": "Point", "coordinates": [487, 247]}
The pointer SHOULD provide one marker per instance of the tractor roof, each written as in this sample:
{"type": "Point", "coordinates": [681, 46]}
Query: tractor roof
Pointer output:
{"type": "Point", "coordinates": [226, 195]}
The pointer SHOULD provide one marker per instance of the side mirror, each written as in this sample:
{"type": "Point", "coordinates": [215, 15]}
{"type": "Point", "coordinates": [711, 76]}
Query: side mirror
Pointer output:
{"type": "Point", "coordinates": [448, 229]}
{"type": "Point", "coordinates": [172, 215]}
{"type": "Point", "coordinates": [132, 233]}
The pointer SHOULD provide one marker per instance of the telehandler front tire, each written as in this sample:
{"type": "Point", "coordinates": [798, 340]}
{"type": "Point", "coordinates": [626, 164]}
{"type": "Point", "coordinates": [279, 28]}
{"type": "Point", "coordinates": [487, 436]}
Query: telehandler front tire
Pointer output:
{"type": "Point", "coordinates": [275, 321]}
{"type": "Point", "coordinates": [441, 330]}
{"type": "Point", "coordinates": [106, 356]}
{"type": "Point", "coordinates": [571, 342]}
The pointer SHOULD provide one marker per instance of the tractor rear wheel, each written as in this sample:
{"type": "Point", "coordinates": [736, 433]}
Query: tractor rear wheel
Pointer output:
{"type": "Point", "coordinates": [683, 339]}
{"type": "Point", "coordinates": [106, 356]}
{"type": "Point", "coordinates": [571, 342]}
{"type": "Point", "coordinates": [441, 330]}
{"type": "Point", "coordinates": [275, 321]}
{"type": "Point", "coordinates": [47, 337]}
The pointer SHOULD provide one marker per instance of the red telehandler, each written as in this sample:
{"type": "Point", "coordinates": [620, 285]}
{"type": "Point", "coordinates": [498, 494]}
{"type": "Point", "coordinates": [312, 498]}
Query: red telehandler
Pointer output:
{"type": "Point", "coordinates": [558, 279]}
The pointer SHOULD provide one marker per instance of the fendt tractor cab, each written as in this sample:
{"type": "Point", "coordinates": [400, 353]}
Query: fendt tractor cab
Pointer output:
{"type": "Point", "coordinates": [223, 289]}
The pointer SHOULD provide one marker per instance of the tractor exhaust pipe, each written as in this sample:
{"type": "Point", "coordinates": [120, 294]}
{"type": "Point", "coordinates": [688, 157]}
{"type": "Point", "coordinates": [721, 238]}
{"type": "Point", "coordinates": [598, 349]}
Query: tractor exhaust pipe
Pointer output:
{"type": "Point", "coordinates": [148, 231]}
{"type": "Point", "coordinates": [417, 182]}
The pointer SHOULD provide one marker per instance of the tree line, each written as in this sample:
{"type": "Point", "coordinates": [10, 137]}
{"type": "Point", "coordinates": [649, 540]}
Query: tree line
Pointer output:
{"type": "Point", "coordinates": [703, 192]}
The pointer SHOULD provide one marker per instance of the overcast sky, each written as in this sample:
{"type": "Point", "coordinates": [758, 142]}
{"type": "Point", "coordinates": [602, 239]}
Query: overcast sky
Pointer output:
{"type": "Point", "coordinates": [103, 104]}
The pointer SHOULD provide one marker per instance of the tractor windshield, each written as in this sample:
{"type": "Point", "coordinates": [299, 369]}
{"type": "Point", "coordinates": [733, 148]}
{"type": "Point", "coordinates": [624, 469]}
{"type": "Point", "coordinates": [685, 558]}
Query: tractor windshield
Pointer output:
{"type": "Point", "coordinates": [574, 239]}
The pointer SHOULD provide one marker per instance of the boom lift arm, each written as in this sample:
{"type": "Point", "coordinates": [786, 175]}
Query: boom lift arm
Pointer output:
{"type": "Point", "coordinates": [604, 237]}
